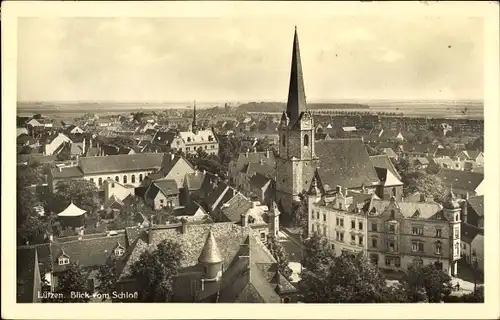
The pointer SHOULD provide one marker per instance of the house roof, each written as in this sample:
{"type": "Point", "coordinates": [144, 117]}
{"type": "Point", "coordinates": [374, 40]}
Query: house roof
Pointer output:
{"type": "Point", "coordinates": [259, 181]}
{"type": "Point", "coordinates": [390, 152]}
{"type": "Point", "coordinates": [383, 161]}
{"type": "Point", "coordinates": [345, 162]}
{"type": "Point", "coordinates": [387, 178]}
{"type": "Point", "coordinates": [469, 232]}
{"type": "Point", "coordinates": [477, 204]}
{"type": "Point", "coordinates": [202, 136]}
{"type": "Point", "coordinates": [235, 207]}
{"type": "Point", "coordinates": [165, 137]}
{"type": "Point", "coordinates": [473, 154]}
{"type": "Point", "coordinates": [427, 210]}
{"type": "Point", "coordinates": [121, 163]}
{"type": "Point", "coordinates": [245, 158]}
{"type": "Point", "coordinates": [88, 252]}
{"type": "Point", "coordinates": [67, 172]}
{"type": "Point", "coordinates": [252, 275]}
{"type": "Point", "coordinates": [461, 179]}
{"type": "Point", "coordinates": [168, 187]}
{"type": "Point", "coordinates": [71, 211]}
{"type": "Point", "coordinates": [422, 160]}
{"type": "Point", "coordinates": [194, 180]}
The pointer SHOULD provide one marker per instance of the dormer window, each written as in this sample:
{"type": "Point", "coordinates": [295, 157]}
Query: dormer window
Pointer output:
{"type": "Point", "coordinates": [188, 139]}
{"type": "Point", "coordinates": [64, 260]}
{"type": "Point", "coordinates": [119, 251]}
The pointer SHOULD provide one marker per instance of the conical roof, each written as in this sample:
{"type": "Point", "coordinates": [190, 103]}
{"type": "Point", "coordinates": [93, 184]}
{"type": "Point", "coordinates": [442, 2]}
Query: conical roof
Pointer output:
{"type": "Point", "coordinates": [210, 252]}
{"type": "Point", "coordinates": [296, 92]}
{"type": "Point", "coordinates": [71, 211]}
{"type": "Point", "coordinates": [451, 202]}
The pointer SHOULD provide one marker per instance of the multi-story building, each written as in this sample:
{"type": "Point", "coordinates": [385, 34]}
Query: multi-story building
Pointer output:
{"type": "Point", "coordinates": [399, 233]}
{"type": "Point", "coordinates": [335, 217]}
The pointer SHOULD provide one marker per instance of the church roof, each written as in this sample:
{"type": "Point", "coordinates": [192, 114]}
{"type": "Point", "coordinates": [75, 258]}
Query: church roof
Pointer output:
{"type": "Point", "coordinates": [345, 162]}
{"type": "Point", "coordinates": [296, 92]}
{"type": "Point", "coordinates": [71, 211]}
{"type": "Point", "coordinates": [210, 252]}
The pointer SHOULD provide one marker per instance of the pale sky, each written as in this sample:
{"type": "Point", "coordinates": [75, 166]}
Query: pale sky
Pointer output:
{"type": "Point", "coordinates": [222, 59]}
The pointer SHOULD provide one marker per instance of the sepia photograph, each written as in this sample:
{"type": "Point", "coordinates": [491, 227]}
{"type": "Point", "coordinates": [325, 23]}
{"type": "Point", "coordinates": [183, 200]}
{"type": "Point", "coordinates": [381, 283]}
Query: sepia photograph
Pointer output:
{"type": "Point", "coordinates": [251, 158]}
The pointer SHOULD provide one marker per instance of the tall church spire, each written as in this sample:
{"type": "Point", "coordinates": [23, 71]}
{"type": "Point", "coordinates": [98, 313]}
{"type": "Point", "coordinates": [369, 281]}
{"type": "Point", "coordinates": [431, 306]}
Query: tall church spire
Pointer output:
{"type": "Point", "coordinates": [296, 92]}
{"type": "Point", "coordinates": [194, 125]}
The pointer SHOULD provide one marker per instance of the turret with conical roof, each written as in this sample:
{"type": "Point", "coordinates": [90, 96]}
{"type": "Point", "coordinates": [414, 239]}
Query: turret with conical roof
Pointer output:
{"type": "Point", "coordinates": [211, 258]}
{"type": "Point", "coordinates": [296, 92]}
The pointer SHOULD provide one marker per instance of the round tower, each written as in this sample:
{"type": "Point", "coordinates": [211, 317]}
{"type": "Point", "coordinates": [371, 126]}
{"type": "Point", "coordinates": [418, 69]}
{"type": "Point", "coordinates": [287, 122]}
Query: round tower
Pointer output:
{"type": "Point", "coordinates": [211, 259]}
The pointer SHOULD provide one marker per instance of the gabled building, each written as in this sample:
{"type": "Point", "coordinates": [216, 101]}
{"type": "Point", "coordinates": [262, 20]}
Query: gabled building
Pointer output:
{"type": "Point", "coordinates": [263, 159]}
{"type": "Point", "coordinates": [472, 243]}
{"type": "Point", "coordinates": [473, 211]}
{"type": "Point", "coordinates": [463, 183]}
{"type": "Point", "coordinates": [162, 193]}
{"type": "Point", "coordinates": [55, 144]}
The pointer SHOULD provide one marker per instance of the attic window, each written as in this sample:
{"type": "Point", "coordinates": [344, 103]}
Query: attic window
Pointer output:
{"type": "Point", "coordinates": [119, 252]}
{"type": "Point", "coordinates": [63, 261]}
{"type": "Point", "coordinates": [188, 139]}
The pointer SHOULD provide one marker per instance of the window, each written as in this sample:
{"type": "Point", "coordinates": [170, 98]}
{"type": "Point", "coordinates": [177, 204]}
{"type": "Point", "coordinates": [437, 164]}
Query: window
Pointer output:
{"type": "Point", "coordinates": [140, 177]}
{"type": "Point", "coordinates": [340, 205]}
{"type": "Point", "coordinates": [119, 252]}
{"type": "Point", "coordinates": [124, 179]}
{"type": "Point", "coordinates": [117, 179]}
{"type": "Point", "coordinates": [457, 249]}
{"type": "Point", "coordinates": [437, 249]}
{"type": "Point", "coordinates": [262, 236]}
{"type": "Point", "coordinates": [473, 252]}
{"type": "Point", "coordinates": [63, 261]}
{"type": "Point", "coordinates": [206, 147]}
{"type": "Point", "coordinates": [353, 224]}
{"type": "Point", "coordinates": [353, 238]}
{"type": "Point", "coordinates": [388, 261]}
{"type": "Point", "coordinates": [338, 221]}
{"type": "Point", "coordinates": [374, 242]}
{"type": "Point", "coordinates": [391, 246]}
{"type": "Point", "coordinates": [169, 203]}
{"type": "Point", "coordinates": [187, 148]}
{"type": "Point", "coordinates": [342, 236]}
{"type": "Point", "coordinates": [161, 202]}
{"type": "Point", "coordinates": [213, 147]}
{"type": "Point", "coordinates": [333, 246]}
{"type": "Point", "coordinates": [438, 233]}
{"type": "Point", "coordinates": [100, 182]}
{"type": "Point", "coordinates": [397, 262]}
{"type": "Point", "coordinates": [133, 178]}
{"type": "Point", "coordinates": [417, 246]}
{"type": "Point", "coordinates": [312, 214]}
{"type": "Point", "coordinates": [317, 215]}
{"type": "Point", "coordinates": [360, 240]}
{"type": "Point", "coordinates": [394, 191]}
{"type": "Point", "coordinates": [393, 214]}
{"type": "Point", "coordinates": [392, 228]}
{"type": "Point", "coordinates": [457, 217]}
{"type": "Point", "coordinates": [312, 228]}
{"type": "Point", "coordinates": [306, 140]}
{"type": "Point", "coordinates": [417, 231]}
{"type": "Point", "coordinates": [287, 300]}
{"type": "Point", "coordinates": [374, 258]}
{"type": "Point", "coordinates": [341, 222]}
{"type": "Point", "coordinates": [360, 226]}
{"type": "Point", "coordinates": [374, 227]}
{"type": "Point", "coordinates": [283, 140]}
{"type": "Point", "coordinates": [324, 231]}
{"type": "Point", "coordinates": [92, 180]}
{"type": "Point", "coordinates": [112, 185]}
{"type": "Point", "coordinates": [457, 234]}
{"type": "Point", "coordinates": [324, 217]}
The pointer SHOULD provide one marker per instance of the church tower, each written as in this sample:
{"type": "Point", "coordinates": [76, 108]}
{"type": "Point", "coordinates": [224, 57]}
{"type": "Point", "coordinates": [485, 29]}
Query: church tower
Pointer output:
{"type": "Point", "coordinates": [194, 124]}
{"type": "Point", "coordinates": [296, 161]}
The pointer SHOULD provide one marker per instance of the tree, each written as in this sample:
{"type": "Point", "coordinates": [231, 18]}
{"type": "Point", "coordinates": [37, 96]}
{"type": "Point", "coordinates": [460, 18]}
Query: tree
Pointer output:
{"type": "Point", "coordinates": [317, 253]}
{"type": "Point", "coordinates": [154, 271]}
{"type": "Point", "coordinates": [28, 176]}
{"type": "Point", "coordinates": [373, 150]}
{"type": "Point", "coordinates": [262, 125]}
{"type": "Point", "coordinates": [83, 193]}
{"type": "Point", "coordinates": [426, 283]}
{"type": "Point", "coordinates": [432, 168]}
{"type": "Point", "coordinates": [281, 256]}
{"type": "Point", "coordinates": [425, 183]}
{"type": "Point", "coordinates": [348, 278]}
{"type": "Point", "coordinates": [72, 279]}
{"type": "Point", "coordinates": [107, 276]}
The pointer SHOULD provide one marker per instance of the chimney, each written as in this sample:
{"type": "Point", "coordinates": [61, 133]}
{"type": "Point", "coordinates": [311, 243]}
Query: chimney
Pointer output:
{"type": "Point", "coordinates": [80, 234]}
{"type": "Point", "coordinates": [204, 171]}
{"type": "Point", "coordinates": [267, 153]}
{"type": "Point", "coordinates": [83, 146]}
{"type": "Point", "coordinates": [172, 156]}
{"type": "Point", "coordinates": [261, 162]}
{"type": "Point", "coordinates": [59, 169]}
{"type": "Point", "coordinates": [243, 220]}
{"type": "Point", "coordinates": [255, 150]}
{"type": "Point", "coordinates": [184, 226]}
{"type": "Point", "coordinates": [51, 238]}
{"type": "Point", "coordinates": [246, 153]}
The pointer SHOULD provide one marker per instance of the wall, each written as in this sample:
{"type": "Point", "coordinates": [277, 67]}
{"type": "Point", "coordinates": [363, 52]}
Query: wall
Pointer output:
{"type": "Point", "coordinates": [120, 175]}
{"type": "Point", "coordinates": [116, 189]}
{"type": "Point", "coordinates": [179, 172]}
{"type": "Point", "coordinates": [157, 202]}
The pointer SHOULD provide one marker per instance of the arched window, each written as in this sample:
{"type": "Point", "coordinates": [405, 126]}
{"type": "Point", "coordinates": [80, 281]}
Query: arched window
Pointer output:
{"type": "Point", "coordinates": [117, 179]}
{"type": "Point", "coordinates": [306, 140]}
{"type": "Point", "coordinates": [124, 179]}
{"type": "Point", "coordinates": [100, 181]}
{"type": "Point", "coordinates": [283, 142]}
{"type": "Point", "coordinates": [140, 177]}
{"type": "Point", "coordinates": [394, 191]}
{"type": "Point", "coordinates": [133, 178]}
